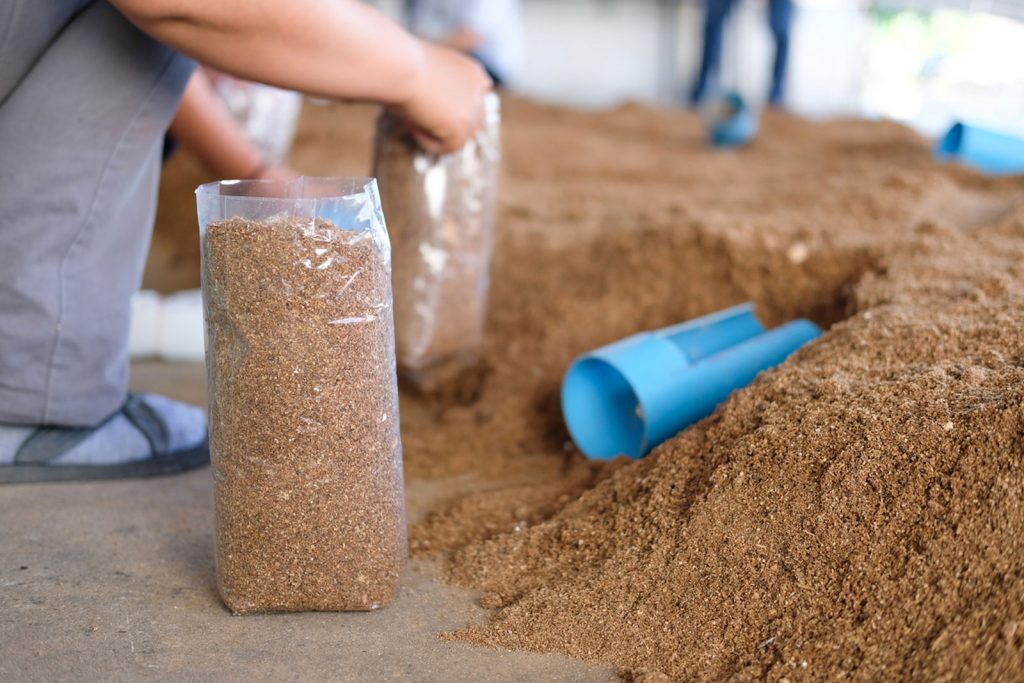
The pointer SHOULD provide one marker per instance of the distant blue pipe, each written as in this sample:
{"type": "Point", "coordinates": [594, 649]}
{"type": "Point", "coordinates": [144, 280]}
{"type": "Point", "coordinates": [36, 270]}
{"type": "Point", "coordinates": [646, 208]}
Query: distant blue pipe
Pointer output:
{"type": "Point", "coordinates": [986, 150]}
{"type": "Point", "coordinates": [628, 397]}
{"type": "Point", "coordinates": [735, 125]}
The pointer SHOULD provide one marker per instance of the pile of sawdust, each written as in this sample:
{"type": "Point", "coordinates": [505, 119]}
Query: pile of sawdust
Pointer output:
{"type": "Point", "coordinates": [856, 511]}
{"type": "Point", "coordinates": [860, 510]}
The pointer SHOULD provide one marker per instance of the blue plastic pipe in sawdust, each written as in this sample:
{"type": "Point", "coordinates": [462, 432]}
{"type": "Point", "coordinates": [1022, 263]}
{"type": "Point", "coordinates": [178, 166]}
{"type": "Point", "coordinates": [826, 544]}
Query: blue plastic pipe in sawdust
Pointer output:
{"type": "Point", "coordinates": [733, 123]}
{"type": "Point", "coordinates": [986, 150]}
{"type": "Point", "coordinates": [628, 397]}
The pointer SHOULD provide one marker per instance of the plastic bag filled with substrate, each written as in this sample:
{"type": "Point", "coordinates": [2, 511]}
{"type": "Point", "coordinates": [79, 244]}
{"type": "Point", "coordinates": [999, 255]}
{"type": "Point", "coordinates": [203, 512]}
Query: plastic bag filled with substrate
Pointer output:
{"type": "Point", "coordinates": [306, 456]}
{"type": "Point", "coordinates": [441, 217]}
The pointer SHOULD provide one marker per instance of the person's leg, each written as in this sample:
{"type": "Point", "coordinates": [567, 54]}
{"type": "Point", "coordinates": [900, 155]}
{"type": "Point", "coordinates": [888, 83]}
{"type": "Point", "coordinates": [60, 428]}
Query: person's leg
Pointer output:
{"type": "Point", "coordinates": [81, 135]}
{"type": "Point", "coordinates": [715, 13]}
{"type": "Point", "coordinates": [780, 18]}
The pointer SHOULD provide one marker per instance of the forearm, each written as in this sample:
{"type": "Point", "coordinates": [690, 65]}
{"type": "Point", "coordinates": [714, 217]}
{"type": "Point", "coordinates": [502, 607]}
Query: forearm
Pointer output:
{"type": "Point", "coordinates": [204, 126]}
{"type": "Point", "coordinates": [339, 49]}
{"type": "Point", "coordinates": [464, 40]}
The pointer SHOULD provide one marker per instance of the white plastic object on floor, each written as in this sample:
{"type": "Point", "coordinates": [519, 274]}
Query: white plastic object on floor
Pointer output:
{"type": "Point", "coordinates": [170, 328]}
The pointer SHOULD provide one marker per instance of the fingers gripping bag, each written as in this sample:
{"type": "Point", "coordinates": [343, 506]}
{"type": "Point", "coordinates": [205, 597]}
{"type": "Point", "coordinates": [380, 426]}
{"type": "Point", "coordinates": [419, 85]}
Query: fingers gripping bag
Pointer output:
{"type": "Point", "coordinates": [441, 210]}
{"type": "Point", "coordinates": [304, 431]}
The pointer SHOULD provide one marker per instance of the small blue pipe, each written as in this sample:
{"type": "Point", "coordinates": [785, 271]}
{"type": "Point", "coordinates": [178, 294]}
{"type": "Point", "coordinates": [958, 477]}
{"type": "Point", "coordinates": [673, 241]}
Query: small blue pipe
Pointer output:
{"type": "Point", "coordinates": [627, 397]}
{"type": "Point", "coordinates": [986, 150]}
{"type": "Point", "coordinates": [737, 128]}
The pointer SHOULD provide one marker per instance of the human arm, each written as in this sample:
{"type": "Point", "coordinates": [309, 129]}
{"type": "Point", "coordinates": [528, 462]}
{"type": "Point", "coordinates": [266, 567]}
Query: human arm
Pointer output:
{"type": "Point", "coordinates": [464, 40]}
{"type": "Point", "coordinates": [204, 126]}
{"type": "Point", "coordinates": [339, 49]}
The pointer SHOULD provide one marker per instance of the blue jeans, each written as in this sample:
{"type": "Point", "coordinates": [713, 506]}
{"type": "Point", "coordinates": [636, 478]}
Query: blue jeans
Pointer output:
{"type": "Point", "coordinates": [780, 18]}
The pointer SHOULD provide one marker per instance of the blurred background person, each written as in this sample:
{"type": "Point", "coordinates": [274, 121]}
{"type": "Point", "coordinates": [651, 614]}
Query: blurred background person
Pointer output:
{"type": "Point", "coordinates": [491, 31]}
{"type": "Point", "coordinates": [780, 19]}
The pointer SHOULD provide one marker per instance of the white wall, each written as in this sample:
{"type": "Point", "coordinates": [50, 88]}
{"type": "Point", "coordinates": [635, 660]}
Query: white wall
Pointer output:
{"type": "Point", "coordinates": [827, 58]}
{"type": "Point", "coordinates": [590, 53]}
{"type": "Point", "coordinates": [596, 53]}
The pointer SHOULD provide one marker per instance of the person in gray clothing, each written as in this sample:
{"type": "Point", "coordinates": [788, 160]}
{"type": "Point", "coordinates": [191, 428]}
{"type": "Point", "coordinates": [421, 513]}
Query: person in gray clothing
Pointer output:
{"type": "Point", "coordinates": [87, 90]}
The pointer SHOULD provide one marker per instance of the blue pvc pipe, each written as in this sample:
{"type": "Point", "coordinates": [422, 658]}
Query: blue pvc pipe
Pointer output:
{"type": "Point", "coordinates": [695, 394]}
{"type": "Point", "coordinates": [709, 334]}
{"type": "Point", "coordinates": [626, 398]}
{"type": "Point", "coordinates": [738, 127]}
{"type": "Point", "coordinates": [986, 150]}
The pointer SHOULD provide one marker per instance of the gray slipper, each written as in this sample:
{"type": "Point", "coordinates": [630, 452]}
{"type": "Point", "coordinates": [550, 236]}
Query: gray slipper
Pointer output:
{"type": "Point", "coordinates": [39, 457]}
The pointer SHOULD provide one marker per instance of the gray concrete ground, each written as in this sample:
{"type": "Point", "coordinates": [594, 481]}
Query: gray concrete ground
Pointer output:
{"type": "Point", "coordinates": [113, 581]}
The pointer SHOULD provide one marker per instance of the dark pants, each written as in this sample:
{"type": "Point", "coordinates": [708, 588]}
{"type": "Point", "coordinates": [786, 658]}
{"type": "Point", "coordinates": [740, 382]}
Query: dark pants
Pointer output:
{"type": "Point", "coordinates": [780, 17]}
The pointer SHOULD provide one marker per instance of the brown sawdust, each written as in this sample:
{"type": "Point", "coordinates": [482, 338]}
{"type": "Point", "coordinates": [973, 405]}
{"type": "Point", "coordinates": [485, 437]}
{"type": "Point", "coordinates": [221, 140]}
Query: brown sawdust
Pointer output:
{"type": "Point", "coordinates": [305, 447]}
{"type": "Point", "coordinates": [857, 511]}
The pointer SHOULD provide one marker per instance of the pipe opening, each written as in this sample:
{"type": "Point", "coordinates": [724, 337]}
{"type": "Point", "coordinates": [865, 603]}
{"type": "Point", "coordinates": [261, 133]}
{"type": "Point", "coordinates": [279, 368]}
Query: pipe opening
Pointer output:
{"type": "Point", "coordinates": [952, 141]}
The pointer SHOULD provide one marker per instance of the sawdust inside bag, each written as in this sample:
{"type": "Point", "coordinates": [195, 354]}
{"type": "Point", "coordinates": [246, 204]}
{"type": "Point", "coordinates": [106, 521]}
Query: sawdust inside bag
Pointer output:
{"type": "Point", "coordinates": [441, 216]}
{"type": "Point", "coordinates": [304, 424]}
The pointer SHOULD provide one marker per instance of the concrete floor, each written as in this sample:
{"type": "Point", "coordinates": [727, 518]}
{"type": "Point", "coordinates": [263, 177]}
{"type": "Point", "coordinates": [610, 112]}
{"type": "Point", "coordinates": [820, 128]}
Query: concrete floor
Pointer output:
{"type": "Point", "coordinates": [113, 581]}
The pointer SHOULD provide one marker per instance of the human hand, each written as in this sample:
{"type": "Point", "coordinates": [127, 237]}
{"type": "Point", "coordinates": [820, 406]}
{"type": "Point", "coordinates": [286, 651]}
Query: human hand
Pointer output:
{"type": "Point", "coordinates": [446, 108]}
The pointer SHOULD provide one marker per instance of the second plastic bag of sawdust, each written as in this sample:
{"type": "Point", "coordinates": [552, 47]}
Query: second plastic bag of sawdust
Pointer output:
{"type": "Point", "coordinates": [441, 220]}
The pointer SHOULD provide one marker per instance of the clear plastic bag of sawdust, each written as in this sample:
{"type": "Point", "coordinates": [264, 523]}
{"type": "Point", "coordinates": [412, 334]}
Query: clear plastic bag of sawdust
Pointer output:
{"type": "Point", "coordinates": [304, 432]}
{"type": "Point", "coordinates": [441, 212]}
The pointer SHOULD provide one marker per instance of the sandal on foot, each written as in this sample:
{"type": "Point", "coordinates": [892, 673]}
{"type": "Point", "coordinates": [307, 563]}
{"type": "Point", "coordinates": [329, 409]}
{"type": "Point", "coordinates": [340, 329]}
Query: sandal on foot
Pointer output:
{"type": "Point", "coordinates": [63, 454]}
